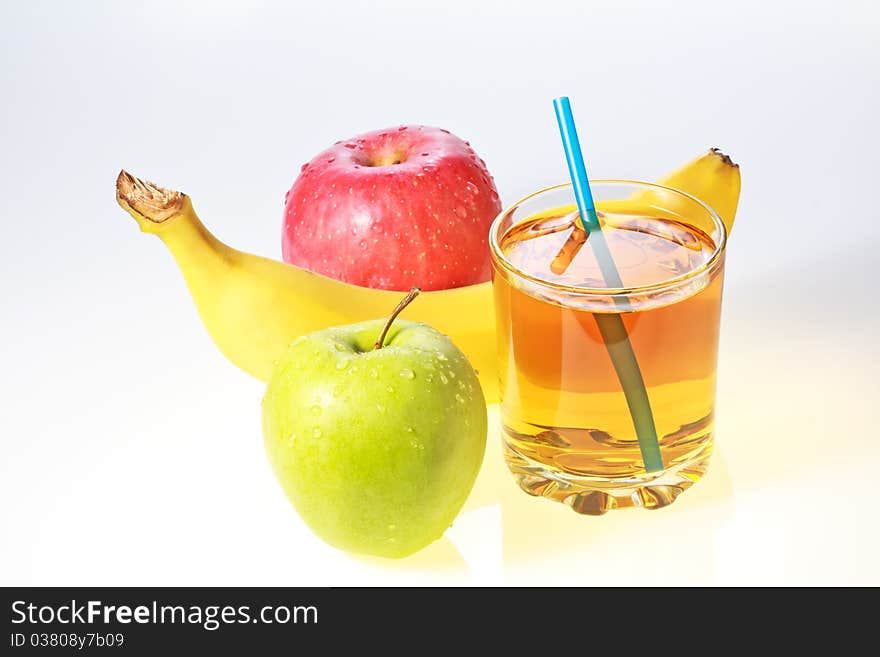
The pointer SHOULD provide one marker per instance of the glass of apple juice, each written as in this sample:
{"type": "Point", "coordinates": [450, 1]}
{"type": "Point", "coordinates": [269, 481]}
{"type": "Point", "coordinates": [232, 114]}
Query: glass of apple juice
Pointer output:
{"type": "Point", "coordinates": [568, 431]}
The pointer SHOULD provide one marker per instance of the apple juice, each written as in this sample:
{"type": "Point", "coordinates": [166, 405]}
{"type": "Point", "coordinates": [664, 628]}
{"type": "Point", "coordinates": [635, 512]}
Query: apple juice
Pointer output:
{"type": "Point", "coordinates": [566, 423]}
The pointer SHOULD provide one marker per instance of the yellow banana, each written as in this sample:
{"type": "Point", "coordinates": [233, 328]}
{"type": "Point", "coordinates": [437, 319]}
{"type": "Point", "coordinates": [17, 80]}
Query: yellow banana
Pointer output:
{"type": "Point", "coordinates": [713, 178]}
{"type": "Point", "coordinates": [253, 307]}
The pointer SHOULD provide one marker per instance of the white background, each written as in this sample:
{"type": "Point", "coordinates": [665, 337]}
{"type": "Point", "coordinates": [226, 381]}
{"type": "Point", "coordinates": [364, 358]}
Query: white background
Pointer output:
{"type": "Point", "coordinates": [132, 452]}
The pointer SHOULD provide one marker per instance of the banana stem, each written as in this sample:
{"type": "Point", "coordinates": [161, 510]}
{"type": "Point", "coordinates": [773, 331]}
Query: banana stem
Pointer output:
{"type": "Point", "coordinates": [413, 293]}
{"type": "Point", "coordinates": [150, 204]}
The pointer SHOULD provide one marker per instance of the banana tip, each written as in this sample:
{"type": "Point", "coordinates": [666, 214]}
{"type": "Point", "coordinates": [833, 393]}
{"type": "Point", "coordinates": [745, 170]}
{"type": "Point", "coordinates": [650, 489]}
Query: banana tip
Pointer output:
{"type": "Point", "coordinates": [725, 157]}
{"type": "Point", "coordinates": [147, 199]}
{"type": "Point", "coordinates": [123, 178]}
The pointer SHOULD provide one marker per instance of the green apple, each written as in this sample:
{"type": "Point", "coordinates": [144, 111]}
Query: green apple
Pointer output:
{"type": "Point", "coordinates": [377, 448]}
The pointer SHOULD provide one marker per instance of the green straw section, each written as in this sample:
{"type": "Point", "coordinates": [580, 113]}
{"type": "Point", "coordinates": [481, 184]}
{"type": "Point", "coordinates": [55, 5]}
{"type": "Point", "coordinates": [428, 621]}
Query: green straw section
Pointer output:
{"type": "Point", "coordinates": [627, 367]}
{"type": "Point", "coordinates": [610, 325]}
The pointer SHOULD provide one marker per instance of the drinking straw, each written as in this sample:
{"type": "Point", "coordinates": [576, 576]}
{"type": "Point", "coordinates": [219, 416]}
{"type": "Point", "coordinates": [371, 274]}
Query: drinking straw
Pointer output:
{"type": "Point", "coordinates": [610, 325]}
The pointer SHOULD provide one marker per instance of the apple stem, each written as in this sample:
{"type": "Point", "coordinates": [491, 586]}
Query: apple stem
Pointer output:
{"type": "Point", "coordinates": [412, 294]}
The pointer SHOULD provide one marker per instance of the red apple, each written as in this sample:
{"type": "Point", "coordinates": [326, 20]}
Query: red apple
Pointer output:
{"type": "Point", "coordinates": [391, 209]}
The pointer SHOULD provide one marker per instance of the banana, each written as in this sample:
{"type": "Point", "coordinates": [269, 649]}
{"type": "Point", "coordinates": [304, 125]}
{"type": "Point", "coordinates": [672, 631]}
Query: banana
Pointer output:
{"type": "Point", "coordinates": [713, 178]}
{"type": "Point", "coordinates": [253, 307]}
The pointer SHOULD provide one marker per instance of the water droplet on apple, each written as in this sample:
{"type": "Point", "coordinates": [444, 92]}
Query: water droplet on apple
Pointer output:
{"type": "Point", "coordinates": [316, 409]}
{"type": "Point", "coordinates": [461, 211]}
{"type": "Point", "coordinates": [291, 439]}
{"type": "Point", "coordinates": [407, 373]}
{"type": "Point", "coordinates": [402, 128]}
{"type": "Point", "coordinates": [472, 188]}
{"type": "Point", "coordinates": [337, 391]}
{"type": "Point", "coordinates": [408, 429]}
{"type": "Point", "coordinates": [304, 167]}
{"type": "Point", "coordinates": [392, 527]}
{"type": "Point", "coordinates": [338, 346]}
{"type": "Point", "coordinates": [443, 378]}
{"type": "Point", "coordinates": [389, 389]}
{"type": "Point", "coordinates": [459, 399]}
{"type": "Point", "coordinates": [341, 365]}
{"type": "Point", "coordinates": [331, 159]}
{"type": "Point", "coordinates": [441, 356]}
{"type": "Point", "coordinates": [316, 432]}
{"type": "Point", "coordinates": [350, 145]}
{"type": "Point", "coordinates": [424, 154]}
{"type": "Point", "coordinates": [428, 168]}
{"type": "Point", "coordinates": [451, 374]}
{"type": "Point", "coordinates": [374, 374]}
{"type": "Point", "coordinates": [380, 408]}
{"type": "Point", "coordinates": [362, 244]}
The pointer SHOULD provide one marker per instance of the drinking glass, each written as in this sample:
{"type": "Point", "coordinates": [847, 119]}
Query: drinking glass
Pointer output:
{"type": "Point", "coordinates": [567, 419]}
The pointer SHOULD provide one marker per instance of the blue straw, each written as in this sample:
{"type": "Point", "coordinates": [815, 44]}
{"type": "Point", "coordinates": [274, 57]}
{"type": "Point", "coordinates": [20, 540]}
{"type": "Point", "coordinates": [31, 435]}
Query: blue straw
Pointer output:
{"type": "Point", "coordinates": [611, 326]}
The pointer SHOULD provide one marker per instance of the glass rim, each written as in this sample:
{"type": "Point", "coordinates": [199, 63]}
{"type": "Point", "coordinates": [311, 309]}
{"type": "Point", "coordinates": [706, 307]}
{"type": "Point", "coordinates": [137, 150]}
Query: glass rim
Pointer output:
{"type": "Point", "coordinates": [499, 258]}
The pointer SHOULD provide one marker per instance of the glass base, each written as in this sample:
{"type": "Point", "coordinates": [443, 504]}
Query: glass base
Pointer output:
{"type": "Point", "coordinates": [596, 496]}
